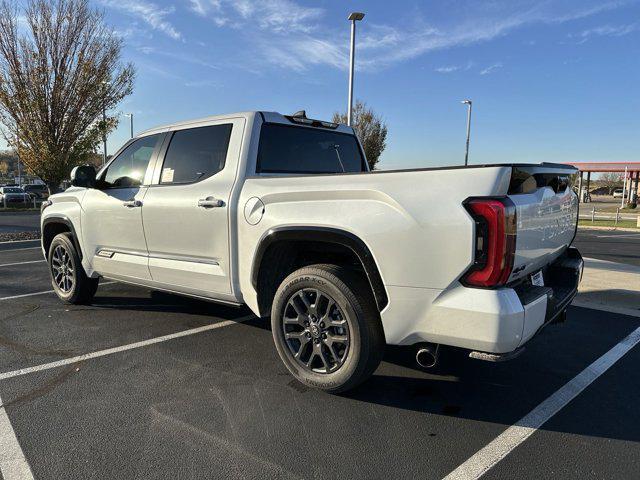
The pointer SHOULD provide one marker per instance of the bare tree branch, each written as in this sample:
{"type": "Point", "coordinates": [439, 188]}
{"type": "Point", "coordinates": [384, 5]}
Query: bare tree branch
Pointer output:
{"type": "Point", "coordinates": [370, 129]}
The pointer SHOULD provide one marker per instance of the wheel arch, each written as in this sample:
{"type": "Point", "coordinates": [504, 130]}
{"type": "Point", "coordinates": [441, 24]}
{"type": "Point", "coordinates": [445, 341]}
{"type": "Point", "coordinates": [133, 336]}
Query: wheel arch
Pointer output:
{"type": "Point", "coordinates": [54, 225]}
{"type": "Point", "coordinates": [305, 235]}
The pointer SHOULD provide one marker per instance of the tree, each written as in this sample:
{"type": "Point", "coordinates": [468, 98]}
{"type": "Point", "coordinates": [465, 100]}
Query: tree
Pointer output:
{"type": "Point", "coordinates": [4, 168]}
{"type": "Point", "coordinates": [58, 74]}
{"type": "Point", "coordinates": [611, 180]}
{"type": "Point", "coordinates": [370, 129]}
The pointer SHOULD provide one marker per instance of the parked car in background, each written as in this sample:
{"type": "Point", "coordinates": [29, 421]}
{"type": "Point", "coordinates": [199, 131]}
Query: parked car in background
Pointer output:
{"type": "Point", "coordinates": [38, 191]}
{"type": "Point", "coordinates": [617, 193]}
{"type": "Point", "coordinates": [13, 195]}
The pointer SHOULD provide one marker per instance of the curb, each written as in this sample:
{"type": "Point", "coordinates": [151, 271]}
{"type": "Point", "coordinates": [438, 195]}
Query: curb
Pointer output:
{"type": "Point", "coordinates": [610, 229]}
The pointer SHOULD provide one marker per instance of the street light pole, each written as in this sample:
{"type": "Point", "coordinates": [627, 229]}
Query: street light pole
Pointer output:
{"type": "Point", "coordinates": [104, 136]}
{"type": "Point", "coordinates": [130, 115]}
{"type": "Point", "coordinates": [466, 154]}
{"type": "Point", "coordinates": [353, 17]}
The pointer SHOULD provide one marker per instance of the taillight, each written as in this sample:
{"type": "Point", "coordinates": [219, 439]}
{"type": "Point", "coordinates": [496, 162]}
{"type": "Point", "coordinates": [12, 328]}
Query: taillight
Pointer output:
{"type": "Point", "coordinates": [495, 242]}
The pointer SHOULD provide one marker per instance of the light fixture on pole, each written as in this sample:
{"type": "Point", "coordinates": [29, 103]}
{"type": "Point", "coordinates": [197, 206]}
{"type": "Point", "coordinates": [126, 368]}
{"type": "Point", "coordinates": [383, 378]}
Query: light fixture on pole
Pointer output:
{"type": "Point", "coordinates": [353, 18]}
{"type": "Point", "coordinates": [130, 115]}
{"type": "Point", "coordinates": [469, 103]}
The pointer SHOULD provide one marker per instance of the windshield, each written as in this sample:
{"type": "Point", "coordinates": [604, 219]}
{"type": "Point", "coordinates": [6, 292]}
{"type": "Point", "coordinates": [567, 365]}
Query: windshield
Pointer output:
{"type": "Point", "coordinates": [12, 190]}
{"type": "Point", "coordinates": [290, 149]}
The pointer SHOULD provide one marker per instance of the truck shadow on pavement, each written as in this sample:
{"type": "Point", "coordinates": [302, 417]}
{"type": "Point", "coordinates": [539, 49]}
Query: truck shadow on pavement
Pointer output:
{"type": "Point", "coordinates": [496, 393]}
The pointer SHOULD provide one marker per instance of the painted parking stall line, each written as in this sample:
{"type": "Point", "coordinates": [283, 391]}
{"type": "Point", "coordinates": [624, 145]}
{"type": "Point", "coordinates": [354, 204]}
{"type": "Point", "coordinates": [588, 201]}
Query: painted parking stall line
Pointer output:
{"type": "Point", "coordinates": [13, 464]}
{"type": "Point", "coordinates": [44, 292]}
{"type": "Point", "coordinates": [486, 458]}
{"type": "Point", "coordinates": [122, 348]}
{"type": "Point", "coordinates": [22, 263]}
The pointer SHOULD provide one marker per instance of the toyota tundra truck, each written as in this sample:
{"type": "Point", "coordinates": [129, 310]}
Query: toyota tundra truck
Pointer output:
{"type": "Point", "coordinates": [281, 213]}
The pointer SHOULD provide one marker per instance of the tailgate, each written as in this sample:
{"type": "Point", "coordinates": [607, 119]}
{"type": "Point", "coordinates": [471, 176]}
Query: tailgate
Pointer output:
{"type": "Point", "coordinates": [547, 214]}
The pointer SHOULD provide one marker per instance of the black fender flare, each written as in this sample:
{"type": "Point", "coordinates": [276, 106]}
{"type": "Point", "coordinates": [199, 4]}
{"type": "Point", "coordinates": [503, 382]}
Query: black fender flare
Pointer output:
{"type": "Point", "coordinates": [328, 235]}
{"type": "Point", "coordinates": [61, 219]}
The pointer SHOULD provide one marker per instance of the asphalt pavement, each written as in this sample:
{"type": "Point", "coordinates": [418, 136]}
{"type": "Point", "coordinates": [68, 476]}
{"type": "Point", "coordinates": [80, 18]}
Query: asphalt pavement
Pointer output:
{"type": "Point", "coordinates": [612, 245]}
{"type": "Point", "coordinates": [218, 403]}
{"type": "Point", "coordinates": [16, 221]}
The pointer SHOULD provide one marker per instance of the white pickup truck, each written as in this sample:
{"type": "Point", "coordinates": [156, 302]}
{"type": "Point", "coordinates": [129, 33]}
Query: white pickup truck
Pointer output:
{"type": "Point", "coordinates": [281, 213]}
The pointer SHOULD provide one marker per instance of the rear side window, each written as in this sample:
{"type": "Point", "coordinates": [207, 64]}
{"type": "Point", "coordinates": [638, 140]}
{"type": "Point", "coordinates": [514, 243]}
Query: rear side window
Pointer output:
{"type": "Point", "coordinates": [128, 169]}
{"type": "Point", "coordinates": [195, 154]}
{"type": "Point", "coordinates": [289, 149]}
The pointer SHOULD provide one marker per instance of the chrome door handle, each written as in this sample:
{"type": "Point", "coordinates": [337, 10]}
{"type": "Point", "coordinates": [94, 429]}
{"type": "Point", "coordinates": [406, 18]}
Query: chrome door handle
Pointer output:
{"type": "Point", "coordinates": [132, 203]}
{"type": "Point", "coordinates": [210, 202]}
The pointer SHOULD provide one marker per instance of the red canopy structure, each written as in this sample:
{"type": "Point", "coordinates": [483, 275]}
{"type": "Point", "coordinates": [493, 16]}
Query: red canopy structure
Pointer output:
{"type": "Point", "coordinates": [631, 168]}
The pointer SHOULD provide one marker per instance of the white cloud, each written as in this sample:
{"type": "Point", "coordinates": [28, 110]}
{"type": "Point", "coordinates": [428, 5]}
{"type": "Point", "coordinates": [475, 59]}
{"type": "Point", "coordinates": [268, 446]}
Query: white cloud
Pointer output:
{"type": "Point", "coordinates": [289, 34]}
{"type": "Point", "coordinates": [276, 16]}
{"type": "Point", "coordinates": [491, 68]}
{"type": "Point", "coordinates": [149, 13]}
{"type": "Point", "coordinates": [605, 31]}
{"type": "Point", "coordinates": [201, 84]}
{"type": "Point", "coordinates": [454, 68]}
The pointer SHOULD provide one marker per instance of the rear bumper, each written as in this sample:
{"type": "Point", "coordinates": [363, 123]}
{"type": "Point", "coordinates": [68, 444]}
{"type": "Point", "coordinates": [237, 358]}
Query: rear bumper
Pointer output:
{"type": "Point", "coordinates": [494, 321]}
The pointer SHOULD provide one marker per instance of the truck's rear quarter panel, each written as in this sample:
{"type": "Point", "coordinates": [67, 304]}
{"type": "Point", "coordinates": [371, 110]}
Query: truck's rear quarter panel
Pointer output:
{"type": "Point", "coordinates": [412, 221]}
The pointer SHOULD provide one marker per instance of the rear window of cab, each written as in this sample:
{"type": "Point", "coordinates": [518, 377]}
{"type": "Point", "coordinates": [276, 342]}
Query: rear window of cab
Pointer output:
{"type": "Point", "coordinates": [304, 150]}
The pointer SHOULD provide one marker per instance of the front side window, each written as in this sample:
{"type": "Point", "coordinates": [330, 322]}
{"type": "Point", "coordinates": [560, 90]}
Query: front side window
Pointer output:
{"type": "Point", "coordinates": [289, 149]}
{"type": "Point", "coordinates": [129, 168]}
{"type": "Point", "coordinates": [195, 154]}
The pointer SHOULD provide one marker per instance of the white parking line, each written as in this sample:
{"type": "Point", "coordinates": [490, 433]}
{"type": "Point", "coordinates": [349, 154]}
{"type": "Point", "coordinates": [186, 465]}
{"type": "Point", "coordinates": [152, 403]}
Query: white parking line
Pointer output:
{"type": "Point", "coordinates": [481, 462]}
{"type": "Point", "coordinates": [22, 263]}
{"type": "Point", "coordinates": [19, 249]}
{"type": "Point", "coordinates": [122, 348]}
{"type": "Point", "coordinates": [13, 464]}
{"type": "Point", "coordinates": [40, 293]}
{"type": "Point", "coordinates": [20, 241]}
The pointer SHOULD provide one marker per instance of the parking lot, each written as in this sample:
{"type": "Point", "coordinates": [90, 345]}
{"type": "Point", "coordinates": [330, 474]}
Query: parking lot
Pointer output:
{"type": "Point", "coordinates": [149, 385]}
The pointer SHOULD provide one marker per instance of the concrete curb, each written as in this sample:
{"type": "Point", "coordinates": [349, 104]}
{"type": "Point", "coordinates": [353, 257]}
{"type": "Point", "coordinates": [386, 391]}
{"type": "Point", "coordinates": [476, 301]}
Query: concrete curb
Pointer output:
{"type": "Point", "coordinates": [609, 229]}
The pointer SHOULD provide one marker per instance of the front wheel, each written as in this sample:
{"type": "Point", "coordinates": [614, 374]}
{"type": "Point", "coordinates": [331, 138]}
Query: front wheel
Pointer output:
{"type": "Point", "coordinates": [68, 278]}
{"type": "Point", "coordinates": [326, 327]}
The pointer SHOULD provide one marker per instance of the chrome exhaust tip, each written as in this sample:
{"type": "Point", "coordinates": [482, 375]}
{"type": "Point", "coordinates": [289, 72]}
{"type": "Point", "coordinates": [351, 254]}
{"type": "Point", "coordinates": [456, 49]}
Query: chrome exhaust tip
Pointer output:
{"type": "Point", "coordinates": [427, 355]}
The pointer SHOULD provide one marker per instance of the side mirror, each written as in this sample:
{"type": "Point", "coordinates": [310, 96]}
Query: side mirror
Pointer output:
{"type": "Point", "coordinates": [83, 176]}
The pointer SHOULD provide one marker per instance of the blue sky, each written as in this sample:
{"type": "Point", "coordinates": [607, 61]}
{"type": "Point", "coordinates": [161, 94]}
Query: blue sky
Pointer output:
{"type": "Point", "coordinates": [550, 80]}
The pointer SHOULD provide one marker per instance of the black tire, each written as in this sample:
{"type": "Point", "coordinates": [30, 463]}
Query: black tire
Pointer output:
{"type": "Point", "coordinates": [68, 278]}
{"type": "Point", "coordinates": [352, 323]}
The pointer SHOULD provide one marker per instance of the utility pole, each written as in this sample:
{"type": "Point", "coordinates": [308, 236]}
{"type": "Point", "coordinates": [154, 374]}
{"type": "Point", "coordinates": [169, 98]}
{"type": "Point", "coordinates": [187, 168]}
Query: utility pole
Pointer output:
{"type": "Point", "coordinates": [466, 154]}
{"type": "Point", "coordinates": [353, 18]}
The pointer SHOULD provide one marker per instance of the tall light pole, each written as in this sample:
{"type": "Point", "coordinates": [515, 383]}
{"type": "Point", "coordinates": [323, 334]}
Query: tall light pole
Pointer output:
{"type": "Point", "coordinates": [466, 153]}
{"type": "Point", "coordinates": [105, 84]}
{"type": "Point", "coordinates": [130, 115]}
{"type": "Point", "coordinates": [353, 18]}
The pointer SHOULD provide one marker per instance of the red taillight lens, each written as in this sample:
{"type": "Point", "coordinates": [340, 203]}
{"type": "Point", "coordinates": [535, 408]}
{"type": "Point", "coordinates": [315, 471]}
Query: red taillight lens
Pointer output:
{"type": "Point", "coordinates": [495, 242]}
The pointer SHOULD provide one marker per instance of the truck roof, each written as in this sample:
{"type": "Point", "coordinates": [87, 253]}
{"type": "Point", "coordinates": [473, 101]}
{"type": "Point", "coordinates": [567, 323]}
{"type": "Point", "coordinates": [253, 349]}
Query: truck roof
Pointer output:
{"type": "Point", "coordinates": [269, 117]}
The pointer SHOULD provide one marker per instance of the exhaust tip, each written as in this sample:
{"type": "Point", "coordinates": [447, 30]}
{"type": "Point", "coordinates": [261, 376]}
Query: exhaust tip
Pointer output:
{"type": "Point", "coordinates": [427, 356]}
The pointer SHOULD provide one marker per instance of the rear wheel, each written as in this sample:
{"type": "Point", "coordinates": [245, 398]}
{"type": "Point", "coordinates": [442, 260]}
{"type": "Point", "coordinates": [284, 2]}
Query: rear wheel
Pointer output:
{"type": "Point", "coordinates": [68, 278]}
{"type": "Point", "coordinates": [326, 328]}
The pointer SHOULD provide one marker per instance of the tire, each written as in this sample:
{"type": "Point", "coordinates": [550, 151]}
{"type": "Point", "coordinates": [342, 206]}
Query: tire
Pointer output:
{"type": "Point", "coordinates": [338, 342]}
{"type": "Point", "coordinates": [68, 278]}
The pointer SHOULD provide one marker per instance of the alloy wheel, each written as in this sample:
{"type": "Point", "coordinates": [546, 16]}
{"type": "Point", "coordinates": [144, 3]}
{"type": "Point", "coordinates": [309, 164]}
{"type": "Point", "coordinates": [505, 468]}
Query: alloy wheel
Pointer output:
{"type": "Point", "coordinates": [62, 269]}
{"type": "Point", "coordinates": [316, 331]}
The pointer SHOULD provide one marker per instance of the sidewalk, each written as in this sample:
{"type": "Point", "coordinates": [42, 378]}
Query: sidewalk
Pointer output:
{"type": "Point", "coordinates": [611, 285]}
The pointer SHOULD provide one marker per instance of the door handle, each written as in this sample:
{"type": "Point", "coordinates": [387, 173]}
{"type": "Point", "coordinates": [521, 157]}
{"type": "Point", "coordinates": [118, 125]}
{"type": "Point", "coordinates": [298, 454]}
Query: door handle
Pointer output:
{"type": "Point", "coordinates": [132, 203]}
{"type": "Point", "coordinates": [210, 202]}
